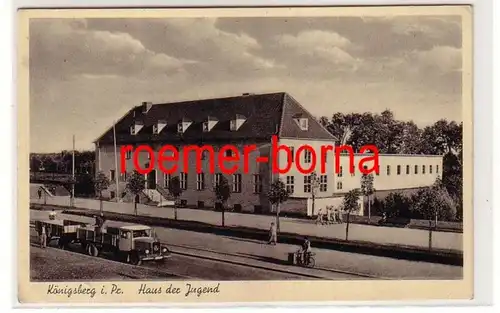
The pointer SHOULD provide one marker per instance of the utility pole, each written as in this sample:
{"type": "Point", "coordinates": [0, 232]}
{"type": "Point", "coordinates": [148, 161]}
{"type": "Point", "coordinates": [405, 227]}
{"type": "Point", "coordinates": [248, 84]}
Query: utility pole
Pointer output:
{"type": "Point", "coordinates": [116, 166]}
{"type": "Point", "coordinates": [73, 175]}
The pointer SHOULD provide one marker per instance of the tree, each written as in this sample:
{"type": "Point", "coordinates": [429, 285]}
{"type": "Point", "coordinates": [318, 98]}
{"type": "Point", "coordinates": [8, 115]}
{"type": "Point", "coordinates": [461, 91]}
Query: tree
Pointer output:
{"type": "Point", "coordinates": [101, 183]}
{"type": "Point", "coordinates": [434, 203]}
{"type": "Point", "coordinates": [135, 184]}
{"type": "Point", "coordinates": [222, 193]}
{"type": "Point", "coordinates": [367, 190]}
{"type": "Point", "coordinates": [35, 163]}
{"type": "Point", "coordinates": [277, 195]}
{"type": "Point", "coordinates": [350, 204]}
{"type": "Point", "coordinates": [314, 188]}
{"type": "Point", "coordinates": [397, 205]}
{"type": "Point", "coordinates": [174, 188]}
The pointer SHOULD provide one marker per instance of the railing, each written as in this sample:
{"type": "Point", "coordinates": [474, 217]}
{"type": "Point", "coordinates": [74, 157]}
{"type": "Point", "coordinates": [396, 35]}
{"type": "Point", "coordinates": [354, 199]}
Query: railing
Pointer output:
{"type": "Point", "coordinates": [47, 176]}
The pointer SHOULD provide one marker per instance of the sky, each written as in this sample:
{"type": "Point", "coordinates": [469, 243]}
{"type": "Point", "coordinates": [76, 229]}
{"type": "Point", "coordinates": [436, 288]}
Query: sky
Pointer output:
{"type": "Point", "coordinates": [87, 73]}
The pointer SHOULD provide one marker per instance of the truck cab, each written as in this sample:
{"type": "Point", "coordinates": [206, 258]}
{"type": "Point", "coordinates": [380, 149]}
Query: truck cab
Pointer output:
{"type": "Point", "coordinates": [138, 244]}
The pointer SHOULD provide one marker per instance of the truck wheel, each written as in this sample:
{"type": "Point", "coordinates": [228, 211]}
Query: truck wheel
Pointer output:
{"type": "Point", "coordinates": [92, 250]}
{"type": "Point", "coordinates": [134, 259]}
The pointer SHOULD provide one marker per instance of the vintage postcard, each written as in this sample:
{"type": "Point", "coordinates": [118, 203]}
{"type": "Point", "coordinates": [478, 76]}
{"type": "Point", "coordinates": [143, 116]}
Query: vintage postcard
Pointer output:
{"type": "Point", "coordinates": [178, 156]}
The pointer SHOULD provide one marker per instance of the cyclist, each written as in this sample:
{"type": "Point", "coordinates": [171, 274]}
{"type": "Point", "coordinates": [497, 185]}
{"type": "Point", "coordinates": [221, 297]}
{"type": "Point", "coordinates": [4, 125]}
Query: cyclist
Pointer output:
{"type": "Point", "coordinates": [304, 251]}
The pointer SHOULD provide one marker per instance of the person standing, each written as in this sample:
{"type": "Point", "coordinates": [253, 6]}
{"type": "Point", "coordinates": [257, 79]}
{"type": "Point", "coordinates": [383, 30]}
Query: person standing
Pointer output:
{"type": "Point", "coordinates": [272, 235]}
{"type": "Point", "coordinates": [43, 238]}
{"type": "Point", "coordinates": [39, 193]}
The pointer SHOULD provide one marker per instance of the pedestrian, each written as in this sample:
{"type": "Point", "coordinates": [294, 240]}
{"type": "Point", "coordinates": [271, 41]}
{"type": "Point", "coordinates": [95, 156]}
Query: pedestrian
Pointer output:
{"type": "Point", "coordinates": [340, 217]}
{"type": "Point", "coordinates": [319, 219]}
{"type": "Point", "coordinates": [43, 238]}
{"type": "Point", "coordinates": [328, 215]}
{"type": "Point", "coordinates": [272, 235]}
{"type": "Point", "coordinates": [334, 215]}
{"type": "Point", "coordinates": [39, 193]}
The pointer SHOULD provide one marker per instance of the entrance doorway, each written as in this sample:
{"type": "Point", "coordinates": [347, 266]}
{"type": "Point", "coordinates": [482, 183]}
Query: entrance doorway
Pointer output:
{"type": "Point", "coordinates": [151, 180]}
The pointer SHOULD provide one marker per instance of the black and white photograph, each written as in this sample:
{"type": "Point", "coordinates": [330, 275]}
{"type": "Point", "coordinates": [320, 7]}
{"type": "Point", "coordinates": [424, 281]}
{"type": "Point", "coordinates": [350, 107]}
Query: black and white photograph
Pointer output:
{"type": "Point", "coordinates": [188, 151]}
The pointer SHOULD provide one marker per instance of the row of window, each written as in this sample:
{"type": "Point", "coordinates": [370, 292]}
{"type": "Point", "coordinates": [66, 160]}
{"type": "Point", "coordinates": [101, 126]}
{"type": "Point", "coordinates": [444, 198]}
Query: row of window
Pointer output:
{"type": "Point", "coordinates": [398, 170]}
{"type": "Point", "coordinates": [321, 183]}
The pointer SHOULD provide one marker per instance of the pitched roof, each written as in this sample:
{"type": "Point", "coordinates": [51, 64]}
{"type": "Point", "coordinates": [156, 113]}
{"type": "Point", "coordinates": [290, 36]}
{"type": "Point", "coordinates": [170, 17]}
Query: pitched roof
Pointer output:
{"type": "Point", "coordinates": [266, 115]}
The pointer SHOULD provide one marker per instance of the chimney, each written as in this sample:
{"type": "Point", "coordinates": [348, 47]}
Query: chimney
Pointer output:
{"type": "Point", "coordinates": [146, 106]}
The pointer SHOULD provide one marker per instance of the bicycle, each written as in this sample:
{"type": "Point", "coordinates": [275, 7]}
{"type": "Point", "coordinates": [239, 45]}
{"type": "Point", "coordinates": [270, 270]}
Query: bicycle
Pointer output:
{"type": "Point", "coordinates": [309, 262]}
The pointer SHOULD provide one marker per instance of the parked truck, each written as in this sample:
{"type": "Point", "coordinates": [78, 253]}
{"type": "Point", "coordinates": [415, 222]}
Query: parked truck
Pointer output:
{"type": "Point", "coordinates": [130, 243]}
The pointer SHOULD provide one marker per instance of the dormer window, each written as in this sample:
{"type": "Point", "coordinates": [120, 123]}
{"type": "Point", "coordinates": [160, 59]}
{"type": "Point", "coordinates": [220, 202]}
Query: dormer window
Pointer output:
{"type": "Point", "coordinates": [237, 122]}
{"type": "Point", "coordinates": [183, 125]}
{"type": "Point", "coordinates": [209, 123]}
{"type": "Point", "coordinates": [304, 123]}
{"type": "Point", "coordinates": [158, 127]}
{"type": "Point", "coordinates": [136, 127]}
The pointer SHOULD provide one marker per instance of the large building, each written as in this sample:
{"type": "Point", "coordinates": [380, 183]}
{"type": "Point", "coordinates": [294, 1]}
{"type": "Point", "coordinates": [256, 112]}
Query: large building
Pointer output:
{"type": "Point", "coordinates": [240, 121]}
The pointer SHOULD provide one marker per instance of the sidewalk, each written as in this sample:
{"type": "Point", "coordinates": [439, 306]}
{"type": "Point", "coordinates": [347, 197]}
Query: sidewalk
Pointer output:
{"type": "Point", "coordinates": [375, 234]}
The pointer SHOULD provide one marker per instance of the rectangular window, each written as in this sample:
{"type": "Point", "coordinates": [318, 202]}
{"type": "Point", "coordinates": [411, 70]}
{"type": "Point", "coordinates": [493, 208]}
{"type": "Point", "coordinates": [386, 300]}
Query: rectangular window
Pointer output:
{"type": "Point", "coordinates": [398, 169]}
{"type": "Point", "coordinates": [200, 181]}
{"type": "Point", "coordinates": [257, 184]}
{"type": "Point", "coordinates": [167, 180]}
{"type": "Point", "coordinates": [123, 176]}
{"type": "Point", "coordinates": [430, 169]}
{"type": "Point", "coordinates": [290, 187]}
{"type": "Point", "coordinates": [290, 160]}
{"type": "Point", "coordinates": [323, 183]}
{"type": "Point", "coordinates": [236, 183]}
{"type": "Point", "coordinates": [217, 179]}
{"type": "Point", "coordinates": [128, 154]}
{"type": "Point", "coordinates": [423, 169]}
{"type": "Point", "coordinates": [307, 156]}
{"type": "Point", "coordinates": [307, 184]}
{"type": "Point", "coordinates": [340, 172]}
{"type": "Point", "coordinates": [132, 130]}
{"type": "Point", "coordinates": [112, 175]}
{"type": "Point", "coordinates": [183, 180]}
{"type": "Point", "coordinates": [180, 128]}
{"type": "Point", "coordinates": [339, 185]}
{"type": "Point", "coordinates": [155, 129]}
{"type": "Point", "coordinates": [388, 170]}
{"type": "Point", "coordinates": [407, 170]}
{"type": "Point", "coordinates": [416, 169]}
{"type": "Point", "coordinates": [437, 169]}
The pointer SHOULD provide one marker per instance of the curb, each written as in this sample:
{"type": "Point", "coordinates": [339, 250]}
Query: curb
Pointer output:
{"type": "Point", "coordinates": [316, 267]}
{"type": "Point", "coordinates": [248, 265]}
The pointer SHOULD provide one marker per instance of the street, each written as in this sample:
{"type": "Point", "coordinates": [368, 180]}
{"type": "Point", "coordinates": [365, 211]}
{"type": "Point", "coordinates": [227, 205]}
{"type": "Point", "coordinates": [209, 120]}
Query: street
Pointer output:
{"type": "Point", "coordinates": [208, 256]}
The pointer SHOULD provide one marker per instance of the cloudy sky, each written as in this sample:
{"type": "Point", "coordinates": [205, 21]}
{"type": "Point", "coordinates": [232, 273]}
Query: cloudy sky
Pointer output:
{"type": "Point", "coordinates": [85, 73]}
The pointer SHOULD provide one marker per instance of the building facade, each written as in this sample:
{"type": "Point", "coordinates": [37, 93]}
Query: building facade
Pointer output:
{"type": "Point", "coordinates": [243, 121]}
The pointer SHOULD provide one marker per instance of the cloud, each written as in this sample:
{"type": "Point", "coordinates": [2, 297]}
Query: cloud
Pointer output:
{"type": "Point", "coordinates": [67, 47]}
{"type": "Point", "coordinates": [328, 46]}
{"type": "Point", "coordinates": [201, 39]}
{"type": "Point", "coordinates": [442, 58]}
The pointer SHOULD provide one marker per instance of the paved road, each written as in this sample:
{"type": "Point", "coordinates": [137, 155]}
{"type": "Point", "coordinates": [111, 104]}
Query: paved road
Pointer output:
{"type": "Point", "coordinates": [387, 235]}
{"type": "Point", "coordinates": [53, 264]}
{"type": "Point", "coordinates": [332, 264]}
